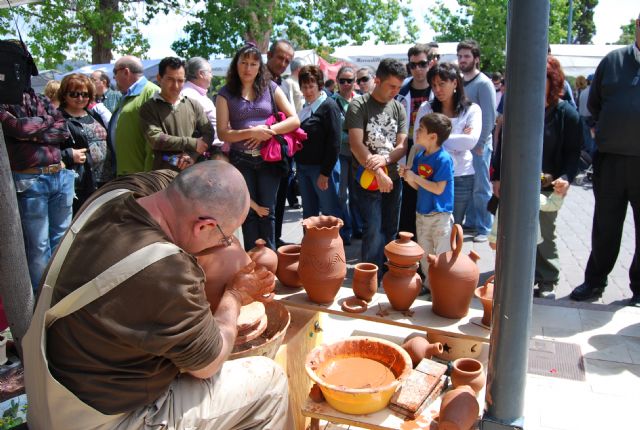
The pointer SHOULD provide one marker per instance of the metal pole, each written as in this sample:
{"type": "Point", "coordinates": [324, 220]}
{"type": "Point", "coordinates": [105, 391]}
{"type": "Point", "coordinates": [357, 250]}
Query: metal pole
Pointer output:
{"type": "Point", "coordinates": [518, 220]}
{"type": "Point", "coordinates": [569, 28]}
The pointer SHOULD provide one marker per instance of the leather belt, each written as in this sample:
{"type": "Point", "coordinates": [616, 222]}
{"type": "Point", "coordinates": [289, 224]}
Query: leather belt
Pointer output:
{"type": "Point", "coordinates": [46, 170]}
{"type": "Point", "coordinates": [252, 152]}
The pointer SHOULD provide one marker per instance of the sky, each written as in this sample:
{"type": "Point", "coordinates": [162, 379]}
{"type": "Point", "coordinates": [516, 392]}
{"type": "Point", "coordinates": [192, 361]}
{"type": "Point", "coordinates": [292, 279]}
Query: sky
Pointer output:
{"type": "Point", "coordinates": [609, 16]}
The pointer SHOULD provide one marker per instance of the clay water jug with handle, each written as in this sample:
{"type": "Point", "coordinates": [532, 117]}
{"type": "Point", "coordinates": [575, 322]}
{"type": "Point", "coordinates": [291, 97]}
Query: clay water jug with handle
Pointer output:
{"type": "Point", "coordinates": [453, 278]}
{"type": "Point", "coordinates": [323, 264]}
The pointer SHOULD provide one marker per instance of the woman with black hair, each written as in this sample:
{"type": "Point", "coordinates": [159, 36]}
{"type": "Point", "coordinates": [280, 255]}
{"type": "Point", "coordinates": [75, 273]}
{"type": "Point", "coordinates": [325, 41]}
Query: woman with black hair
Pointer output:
{"type": "Point", "coordinates": [466, 120]}
{"type": "Point", "coordinates": [243, 106]}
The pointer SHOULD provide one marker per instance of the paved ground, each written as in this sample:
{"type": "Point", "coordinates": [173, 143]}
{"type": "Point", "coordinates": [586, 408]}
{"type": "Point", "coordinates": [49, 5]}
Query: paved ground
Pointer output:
{"type": "Point", "coordinates": [574, 242]}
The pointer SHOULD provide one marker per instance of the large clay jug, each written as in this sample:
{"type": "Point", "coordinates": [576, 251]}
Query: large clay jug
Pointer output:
{"type": "Point", "coordinates": [288, 260]}
{"type": "Point", "coordinates": [403, 251]}
{"type": "Point", "coordinates": [459, 409]}
{"type": "Point", "coordinates": [453, 278]}
{"type": "Point", "coordinates": [365, 281]}
{"type": "Point", "coordinates": [322, 261]}
{"type": "Point", "coordinates": [264, 256]}
{"type": "Point", "coordinates": [485, 294]}
{"type": "Point", "coordinates": [468, 371]}
{"type": "Point", "coordinates": [402, 286]}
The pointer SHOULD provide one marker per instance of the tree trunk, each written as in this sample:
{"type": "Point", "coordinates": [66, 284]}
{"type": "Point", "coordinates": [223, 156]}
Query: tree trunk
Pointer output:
{"type": "Point", "coordinates": [257, 32]}
{"type": "Point", "coordinates": [15, 286]}
{"type": "Point", "coordinates": [103, 37]}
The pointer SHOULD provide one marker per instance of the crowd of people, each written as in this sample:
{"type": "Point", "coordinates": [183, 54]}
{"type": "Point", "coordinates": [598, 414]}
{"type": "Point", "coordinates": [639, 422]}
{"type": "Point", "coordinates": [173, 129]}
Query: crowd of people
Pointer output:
{"type": "Point", "coordinates": [168, 188]}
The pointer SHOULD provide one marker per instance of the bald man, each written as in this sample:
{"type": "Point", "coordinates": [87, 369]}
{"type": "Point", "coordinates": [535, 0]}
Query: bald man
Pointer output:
{"type": "Point", "coordinates": [133, 154]}
{"type": "Point", "coordinates": [132, 342]}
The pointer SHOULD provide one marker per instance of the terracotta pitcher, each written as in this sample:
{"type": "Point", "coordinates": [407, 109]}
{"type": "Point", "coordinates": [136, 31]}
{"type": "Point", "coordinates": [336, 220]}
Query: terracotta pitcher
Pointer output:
{"type": "Point", "coordinates": [401, 285]}
{"type": "Point", "coordinates": [403, 251]}
{"type": "Point", "coordinates": [459, 409]}
{"type": "Point", "coordinates": [322, 261]}
{"type": "Point", "coordinates": [485, 294]}
{"type": "Point", "coordinates": [288, 260]}
{"type": "Point", "coordinates": [468, 371]}
{"type": "Point", "coordinates": [264, 256]}
{"type": "Point", "coordinates": [365, 281]}
{"type": "Point", "coordinates": [453, 277]}
{"type": "Point", "coordinates": [418, 347]}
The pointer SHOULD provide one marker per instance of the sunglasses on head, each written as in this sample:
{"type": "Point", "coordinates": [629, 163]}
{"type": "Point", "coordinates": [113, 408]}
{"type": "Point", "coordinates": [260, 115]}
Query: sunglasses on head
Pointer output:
{"type": "Point", "coordinates": [422, 64]}
{"type": "Point", "coordinates": [363, 79]}
{"type": "Point", "coordinates": [432, 57]}
{"type": "Point", "coordinates": [345, 81]}
{"type": "Point", "coordinates": [76, 94]}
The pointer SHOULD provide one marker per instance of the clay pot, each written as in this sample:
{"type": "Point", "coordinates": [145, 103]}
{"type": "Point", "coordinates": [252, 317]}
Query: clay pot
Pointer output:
{"type": "Point", "coordinates": [468, 371]}
{"type": "Point", "coordinates": [287, 271]}
{"type": "Point", "coordinates": [459, 409]}
{"type": "Point", "coordinates": [264, 256]}
{"type": "Point", "coordinates": [419, 347]}
{"type": "Point", "coordinates": [403, 251]}
{"type": "Point", "coordinates": [402, 286]}
{"type": "Point", "coordinates": [322, 261]}
{"type": "Point", "coordinates": [365, 281]}
{"type": "Point", "coordinates": [485, 294]}
{"type": "Point", "coordinates": [453, 278]}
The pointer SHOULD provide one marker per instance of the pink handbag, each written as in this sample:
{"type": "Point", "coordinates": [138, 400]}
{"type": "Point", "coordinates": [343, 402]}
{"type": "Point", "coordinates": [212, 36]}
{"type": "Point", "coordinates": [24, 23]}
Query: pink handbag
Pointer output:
{"type": "Point", "coordinates": [288, 144]}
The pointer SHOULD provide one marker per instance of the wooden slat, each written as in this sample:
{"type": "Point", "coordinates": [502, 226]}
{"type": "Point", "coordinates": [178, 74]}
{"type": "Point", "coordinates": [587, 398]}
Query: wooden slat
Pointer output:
{"type": "Point", "coordinates": [422, 317]}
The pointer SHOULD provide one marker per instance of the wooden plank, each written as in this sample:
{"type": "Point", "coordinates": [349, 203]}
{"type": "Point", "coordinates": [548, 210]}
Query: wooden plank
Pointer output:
{"type": "Point", "coordinates": [420, 316]}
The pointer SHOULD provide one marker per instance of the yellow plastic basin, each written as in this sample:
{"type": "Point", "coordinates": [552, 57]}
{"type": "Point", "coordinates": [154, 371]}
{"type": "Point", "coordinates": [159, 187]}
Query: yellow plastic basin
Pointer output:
{"type": "Point", "coordinates": [362, 400]}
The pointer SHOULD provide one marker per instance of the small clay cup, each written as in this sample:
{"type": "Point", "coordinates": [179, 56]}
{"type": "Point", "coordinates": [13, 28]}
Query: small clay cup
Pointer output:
{"type": "Point", "coordinates": [459, 409]}
{"type": "Point", "coordinates": [365, 281]}
{"type": "Point", "coordinates": [264, 256]}
{"type": "Point", "coordinates": [468, 371]}
{"type": "Point", "coordinates": [287, 271]}
{"type": "Point", "coordinates": [418, 347]}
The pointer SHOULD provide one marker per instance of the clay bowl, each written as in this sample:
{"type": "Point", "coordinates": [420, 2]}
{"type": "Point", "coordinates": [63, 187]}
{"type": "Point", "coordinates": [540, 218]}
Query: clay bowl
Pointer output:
{"type": "Point", "coordinates": [267, 344]}
{"type": "Point", "coordinates": [359, 400]}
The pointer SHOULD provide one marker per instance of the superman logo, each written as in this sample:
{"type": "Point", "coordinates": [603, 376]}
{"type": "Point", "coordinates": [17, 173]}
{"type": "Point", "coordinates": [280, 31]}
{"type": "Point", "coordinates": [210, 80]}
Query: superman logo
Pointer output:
{"type": "Point", "coordinates": [425, 170]}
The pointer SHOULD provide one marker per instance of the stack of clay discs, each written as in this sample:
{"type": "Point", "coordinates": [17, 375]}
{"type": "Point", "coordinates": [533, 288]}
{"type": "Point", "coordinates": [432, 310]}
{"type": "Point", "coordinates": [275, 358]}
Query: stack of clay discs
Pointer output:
{"type": "Point", "coordinates": [252, 322]}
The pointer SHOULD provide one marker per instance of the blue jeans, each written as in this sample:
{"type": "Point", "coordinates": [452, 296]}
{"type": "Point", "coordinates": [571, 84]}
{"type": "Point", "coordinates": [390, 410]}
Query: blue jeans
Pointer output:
{"type": "Point", "coordinates": [477, 214]}
{"type": "Point", "coordinates": [381, 214]}
{"type": "Point", "coordinates": [462, 196]}
{"type": "Point", "coordinates": [45, 203]}
{"type": "Point", "coordinates": [262, 183]}
{"type": "Point", "coordinates": [348, 199]}
{"type": "Point", "coordinates": [314, 199]}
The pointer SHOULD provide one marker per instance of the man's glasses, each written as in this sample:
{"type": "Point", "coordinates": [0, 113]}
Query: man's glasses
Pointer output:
{"type": "Point", "coordinates": [344, 81]}
{"type": "Point", "coordinates": [226, 240]}
{"type": "Point", "coordinates": [117, 69]}
{"type": "Point", "coordinates": [362, 79]}
{"type": "Point", "coordinates": [421, 64]}
{"type": "Point", "coordinates": [76, 94]}
{"type": "Point", "coordinates": [432, 57]}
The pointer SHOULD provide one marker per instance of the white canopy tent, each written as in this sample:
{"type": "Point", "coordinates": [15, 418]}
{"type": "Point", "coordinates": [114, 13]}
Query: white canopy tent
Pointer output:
{"type": "Point", "coordinates": [575, 59]}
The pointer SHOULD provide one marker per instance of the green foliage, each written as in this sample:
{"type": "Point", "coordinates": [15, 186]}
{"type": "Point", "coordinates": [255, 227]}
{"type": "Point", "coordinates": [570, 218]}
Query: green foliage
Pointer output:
{"type": "Point", "coordinates": [628, 35]}
{"type": "Point", "coordinates": [86, 29]}
{"type": "Point", "coordinates": [13, 416]}
{"type": "Point", "coordinates": [486, 22]}
{"type": "Point", "coordinates": [224, 24]}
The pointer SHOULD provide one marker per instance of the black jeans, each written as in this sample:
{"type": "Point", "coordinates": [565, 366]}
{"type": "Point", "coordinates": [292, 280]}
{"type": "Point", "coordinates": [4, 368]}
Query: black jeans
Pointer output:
{"type": "Point", "coordinates": [616, 183]}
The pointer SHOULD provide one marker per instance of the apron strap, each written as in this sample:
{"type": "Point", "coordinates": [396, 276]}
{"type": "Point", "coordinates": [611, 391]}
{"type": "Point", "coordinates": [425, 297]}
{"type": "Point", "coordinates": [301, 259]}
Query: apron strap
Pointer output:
{"type": "Point", "coordinates": [110, 278]}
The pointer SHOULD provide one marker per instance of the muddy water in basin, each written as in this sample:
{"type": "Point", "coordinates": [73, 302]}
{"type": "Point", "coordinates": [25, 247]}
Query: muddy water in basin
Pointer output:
{"type": "Point", "coordinates": [356, 372]}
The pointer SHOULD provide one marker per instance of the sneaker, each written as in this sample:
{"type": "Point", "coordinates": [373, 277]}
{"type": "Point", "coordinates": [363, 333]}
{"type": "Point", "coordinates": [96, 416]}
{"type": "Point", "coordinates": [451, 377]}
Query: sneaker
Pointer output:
{"type": "Point", "coordinates": [634, 300]}
{"type": "Point", "coordinates": [585, 291]}
{"type": "Point", "coordinates": [547, 295]}
{"type": "Point", "coordinates": [480, 238]}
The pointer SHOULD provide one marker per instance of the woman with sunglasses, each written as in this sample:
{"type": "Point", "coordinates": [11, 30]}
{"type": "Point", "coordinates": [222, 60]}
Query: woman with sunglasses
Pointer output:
{"type": "Point", "coordinates": [87, 151]}
{"type": "Point", "coordinates": [352, 220]}
{"type": "Point", "coordinates": [466, 120]}
{"type": "Point", "coordinates": [242, 107]}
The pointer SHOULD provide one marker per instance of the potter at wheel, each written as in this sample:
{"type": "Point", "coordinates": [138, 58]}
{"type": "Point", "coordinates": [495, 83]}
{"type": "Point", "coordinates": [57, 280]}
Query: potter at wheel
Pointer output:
{"type": "Point", "coordinates": [251, 323]}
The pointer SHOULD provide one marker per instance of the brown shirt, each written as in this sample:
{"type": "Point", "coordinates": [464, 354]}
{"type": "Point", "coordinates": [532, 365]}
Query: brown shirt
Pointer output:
{"type": "Point", "coordinates": [122, 351]}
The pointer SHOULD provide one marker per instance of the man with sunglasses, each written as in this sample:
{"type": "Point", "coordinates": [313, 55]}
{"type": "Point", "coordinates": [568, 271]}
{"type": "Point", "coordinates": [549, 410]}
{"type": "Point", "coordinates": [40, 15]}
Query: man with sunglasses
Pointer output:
{"type": "Point", "coordinates": [614, 103]}
{"type": "Point", "coordinates": [413, 93]}
{"type": "Point", "coordinates": [139, 343]}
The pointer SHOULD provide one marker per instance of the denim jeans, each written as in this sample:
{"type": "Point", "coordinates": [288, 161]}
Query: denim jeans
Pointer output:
{"type": "Point", "coordinates": [348, 199]}
{"type": "Point", "coordinates": [315, 200]}
{"type": "Point", "coordinates": [477, 214]}
{"type": "Point", "coordinates": [380, 213]}
{"type": "Point", "coordinates": [262, 183]}
{"type": "Point", "coordinates": [45, 203]}
{"type": "Point", "coordinates": [462, 196]}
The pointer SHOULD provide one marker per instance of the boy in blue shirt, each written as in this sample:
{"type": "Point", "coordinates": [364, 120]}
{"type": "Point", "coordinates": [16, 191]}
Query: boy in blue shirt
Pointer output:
{"type": "Point", "coordinates": [431, 173]}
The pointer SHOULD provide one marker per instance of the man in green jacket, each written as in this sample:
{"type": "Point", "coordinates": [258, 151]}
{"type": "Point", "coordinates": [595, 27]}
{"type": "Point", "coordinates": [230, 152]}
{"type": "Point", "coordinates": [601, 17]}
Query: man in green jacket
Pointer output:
{"type": "Point", "coordinates": [133, 154]}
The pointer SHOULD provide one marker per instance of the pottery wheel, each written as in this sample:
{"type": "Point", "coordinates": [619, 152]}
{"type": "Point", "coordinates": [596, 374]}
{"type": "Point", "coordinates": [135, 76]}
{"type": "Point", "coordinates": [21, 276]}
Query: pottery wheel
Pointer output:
{"type": "Point", "coordinates": [250, 316]}
{"type": "Point", "coordinates": [252, 333]}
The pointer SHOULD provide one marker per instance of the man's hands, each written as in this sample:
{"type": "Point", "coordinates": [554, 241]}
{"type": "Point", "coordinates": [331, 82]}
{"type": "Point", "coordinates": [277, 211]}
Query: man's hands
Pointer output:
{"type": "Point", "coordinates": [375, 161]}
{"type": "Point", "coordinates": [201, 146]}
{"type": "Point", "coordinates": [251, 284]}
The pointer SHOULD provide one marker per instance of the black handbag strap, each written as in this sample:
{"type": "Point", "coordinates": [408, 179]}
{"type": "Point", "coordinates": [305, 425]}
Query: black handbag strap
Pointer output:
{"type": "Point", "coordinates": [34, 68]}
{"type": "Point", "coordinates": [274, 108]}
